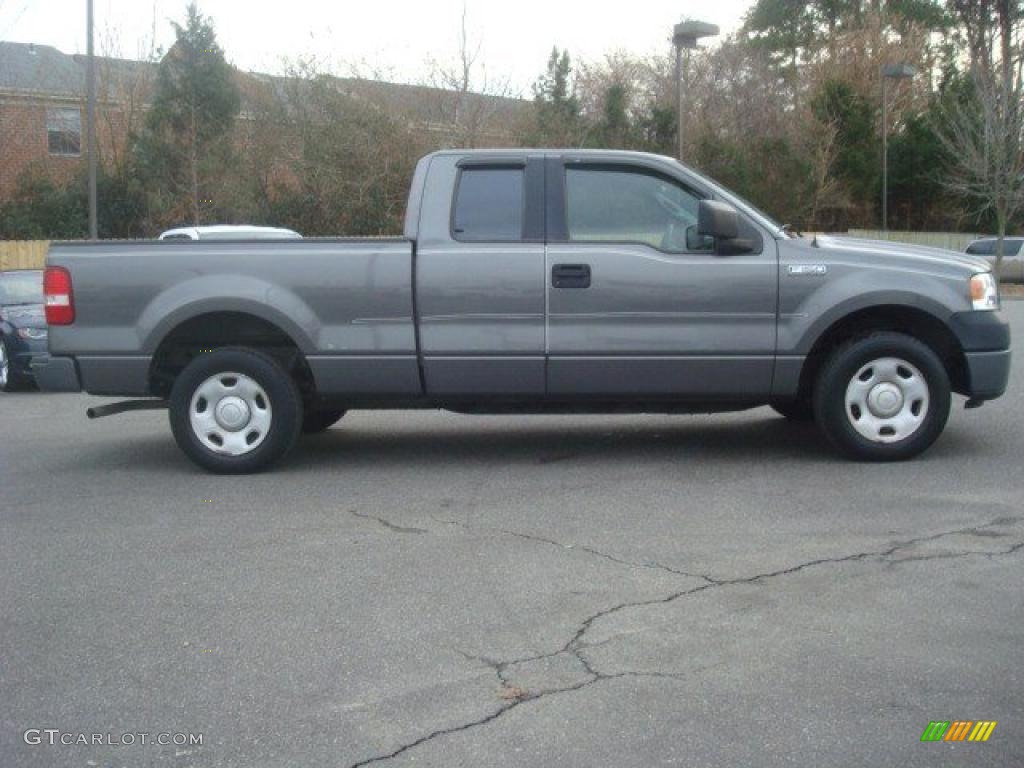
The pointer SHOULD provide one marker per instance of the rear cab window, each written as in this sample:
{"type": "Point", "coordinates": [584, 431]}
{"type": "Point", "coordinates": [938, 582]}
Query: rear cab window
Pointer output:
{"type": "Point", "coordinates": [489, 205]}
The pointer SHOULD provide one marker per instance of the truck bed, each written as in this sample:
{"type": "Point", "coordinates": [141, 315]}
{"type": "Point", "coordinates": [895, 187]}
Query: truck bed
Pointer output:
{"type": "Point", "coordinates": [335, 297]}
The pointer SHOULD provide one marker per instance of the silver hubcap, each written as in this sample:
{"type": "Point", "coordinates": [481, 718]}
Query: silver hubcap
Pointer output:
{"type": "Point", "coordinates": [230, 414]}
{"type": "Point", "coordinates": [887, 400]}
{"type": "Point", "coordinates": [3, 365]}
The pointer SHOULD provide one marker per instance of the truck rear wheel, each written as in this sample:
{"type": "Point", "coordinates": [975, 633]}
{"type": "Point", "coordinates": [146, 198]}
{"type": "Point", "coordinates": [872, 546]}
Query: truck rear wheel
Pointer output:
{"type": "Point", "coordinates": [235, 411]}
{"type": "Point", "coordinates": [885, 397]}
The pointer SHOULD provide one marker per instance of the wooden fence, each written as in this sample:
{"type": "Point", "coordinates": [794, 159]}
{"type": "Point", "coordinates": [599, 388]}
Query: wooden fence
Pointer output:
{"type": "Point", "coordinates": [23, 254]}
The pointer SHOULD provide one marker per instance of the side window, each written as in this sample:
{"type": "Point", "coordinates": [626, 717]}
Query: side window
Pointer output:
{"type": "Point", "coordinates": [489, 205]}
{"type": "Point", "coordinates": [612, 205]}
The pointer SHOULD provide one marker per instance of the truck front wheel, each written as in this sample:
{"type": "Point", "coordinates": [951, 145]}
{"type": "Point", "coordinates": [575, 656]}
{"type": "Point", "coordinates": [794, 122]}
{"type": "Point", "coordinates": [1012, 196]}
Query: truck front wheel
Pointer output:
{"type": "Point", "coordinates": [235, 411]}
{"type": "Point", "coordinates": [885, 397]}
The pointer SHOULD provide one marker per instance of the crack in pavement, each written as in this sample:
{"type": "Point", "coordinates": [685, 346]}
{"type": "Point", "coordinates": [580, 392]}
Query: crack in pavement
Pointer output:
{"type": "Point", "coordinates": [576, 648]}
{"type": "Point", "coordinates": [435, 734]}
{"type": "Point", "coordinates": [387, 523]}
{"type": "Point", "coordinates": [650, 564]}
{"type": "Point", "coordinates": [956, 555]}
{"type": "Point", "coordinates": [594, 677]}
{"type": "Point", "coordinates": [574, 642]}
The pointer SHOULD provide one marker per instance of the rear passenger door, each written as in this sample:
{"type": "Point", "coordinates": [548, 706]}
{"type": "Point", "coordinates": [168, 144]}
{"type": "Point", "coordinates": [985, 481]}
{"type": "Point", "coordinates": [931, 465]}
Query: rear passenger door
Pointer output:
{"type": "Point", "coordinates": [639, 305]}
{"type": "Point", "coordinates": [480, 276]}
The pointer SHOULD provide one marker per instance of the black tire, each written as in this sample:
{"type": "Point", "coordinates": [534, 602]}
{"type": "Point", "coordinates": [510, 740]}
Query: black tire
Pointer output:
{"type": "Point", "coordinates": [315, 422]}
{"type": "Point", "coordinates": [801, 410]}
{"type": "Point", "coordinates": [280, 388]}
{"type": "Point", "coordinates": [830, 406]}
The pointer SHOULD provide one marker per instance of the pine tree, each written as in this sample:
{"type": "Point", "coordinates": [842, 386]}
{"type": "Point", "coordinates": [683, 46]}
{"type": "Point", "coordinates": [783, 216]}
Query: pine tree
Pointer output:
{"type": "Point", "coordinates": [558, 108]}
{"type": "Point", "coordinates": [186, 145]}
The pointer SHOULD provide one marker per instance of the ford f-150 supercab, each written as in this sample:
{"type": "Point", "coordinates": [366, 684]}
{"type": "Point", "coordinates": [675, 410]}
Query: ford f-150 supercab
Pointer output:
{"type": "Point", "coordinates": [530, 282]}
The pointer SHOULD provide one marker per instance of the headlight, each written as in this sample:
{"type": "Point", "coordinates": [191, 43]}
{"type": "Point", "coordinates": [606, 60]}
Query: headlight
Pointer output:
{"type": "Point", "coordinates": [984, 291]}
{"type": "Point", "coordinates": [32, 333]}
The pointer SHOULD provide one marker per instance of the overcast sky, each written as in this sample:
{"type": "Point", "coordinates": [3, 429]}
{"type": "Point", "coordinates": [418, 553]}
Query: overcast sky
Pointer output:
{"type": "Point", "coordinates": [395, 38]}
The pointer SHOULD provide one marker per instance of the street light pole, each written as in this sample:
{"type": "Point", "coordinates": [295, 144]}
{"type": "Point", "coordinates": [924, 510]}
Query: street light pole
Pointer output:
{"type": "Point", "coordinates": [885, 157]}
{"type": "Point", "coordinates": [679, 103]}
{"type": "Point", "coordinates": [889, 72]}
{"type": "Point", "coordinates": [90, 118]}
{"type": "Point", "coordinates": [685, 35]}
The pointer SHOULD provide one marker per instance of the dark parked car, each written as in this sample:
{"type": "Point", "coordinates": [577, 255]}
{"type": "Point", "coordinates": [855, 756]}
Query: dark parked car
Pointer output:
{"type": "Point", "coordinates": [22, 326]}
{"type": "Point", "coordinates": [1012, 268]}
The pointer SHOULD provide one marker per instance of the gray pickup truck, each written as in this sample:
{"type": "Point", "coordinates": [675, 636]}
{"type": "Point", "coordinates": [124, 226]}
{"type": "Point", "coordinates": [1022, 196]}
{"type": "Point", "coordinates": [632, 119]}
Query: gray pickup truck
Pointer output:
{"type": "Point", "coordinates": [530, 282]}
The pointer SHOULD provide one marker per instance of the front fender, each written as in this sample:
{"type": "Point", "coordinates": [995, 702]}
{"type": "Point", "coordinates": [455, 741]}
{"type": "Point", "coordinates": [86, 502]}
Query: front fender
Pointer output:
{"type": "Point", "coordinates": [804, 318]}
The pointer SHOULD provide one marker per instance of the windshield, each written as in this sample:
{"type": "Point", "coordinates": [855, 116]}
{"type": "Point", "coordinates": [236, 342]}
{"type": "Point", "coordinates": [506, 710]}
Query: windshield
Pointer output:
{"type": "Point", "coordinates": [21, 288]}
{"type": "Point", "coordinates": [746, 206]}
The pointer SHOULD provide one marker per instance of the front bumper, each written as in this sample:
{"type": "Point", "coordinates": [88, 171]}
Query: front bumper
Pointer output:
{"type": "Point", "coordinates": [985, 339]}
{"type": "Point", "coordinates": [988, 373]}
{"type": "Point", "coordinates": [56, 374]}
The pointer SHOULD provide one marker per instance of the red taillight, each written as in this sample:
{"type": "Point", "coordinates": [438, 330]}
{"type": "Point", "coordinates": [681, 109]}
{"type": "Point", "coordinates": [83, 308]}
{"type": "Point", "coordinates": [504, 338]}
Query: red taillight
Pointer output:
{"type": "Point", "coordinates": [60, 303]}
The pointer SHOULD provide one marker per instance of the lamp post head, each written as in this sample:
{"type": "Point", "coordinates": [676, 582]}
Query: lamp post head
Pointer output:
{"type": "Point", "coordinates": [686, 33]}
{"type": "Point", "coordinates": [898, 71]}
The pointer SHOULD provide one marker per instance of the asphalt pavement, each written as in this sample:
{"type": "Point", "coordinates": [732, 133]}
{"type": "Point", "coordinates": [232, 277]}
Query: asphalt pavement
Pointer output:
{"type": "Point", "coordinates": [429, 589]}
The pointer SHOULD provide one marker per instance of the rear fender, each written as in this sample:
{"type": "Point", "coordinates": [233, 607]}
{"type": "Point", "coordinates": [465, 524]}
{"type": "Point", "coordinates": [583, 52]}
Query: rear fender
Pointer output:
{"type": "Point", "coordinates": [228, 293]}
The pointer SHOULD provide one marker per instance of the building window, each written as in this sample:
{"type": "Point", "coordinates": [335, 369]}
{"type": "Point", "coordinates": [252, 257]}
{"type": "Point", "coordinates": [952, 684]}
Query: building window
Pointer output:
{"type": "Point", "coordinates": [64, 131]}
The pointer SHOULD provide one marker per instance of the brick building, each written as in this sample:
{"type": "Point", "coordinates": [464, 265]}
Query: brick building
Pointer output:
{"type": "Point", "coordinates": [42, 109]}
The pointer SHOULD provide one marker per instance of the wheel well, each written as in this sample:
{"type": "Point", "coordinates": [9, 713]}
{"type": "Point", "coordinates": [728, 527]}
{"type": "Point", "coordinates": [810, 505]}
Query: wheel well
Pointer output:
{"type": "Point", "coordinates": [921, 325]}
{"type": "Point", "coordinates": [204, 333]}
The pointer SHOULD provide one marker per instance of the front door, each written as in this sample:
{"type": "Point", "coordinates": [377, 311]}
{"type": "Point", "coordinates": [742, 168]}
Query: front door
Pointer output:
{"type": "Point", "coordinates": [638, 304]}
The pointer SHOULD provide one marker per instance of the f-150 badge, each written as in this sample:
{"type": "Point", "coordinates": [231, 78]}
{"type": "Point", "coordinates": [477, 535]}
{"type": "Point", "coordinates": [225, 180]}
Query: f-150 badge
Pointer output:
{"type": "Point", "coordinates": [807, 269]}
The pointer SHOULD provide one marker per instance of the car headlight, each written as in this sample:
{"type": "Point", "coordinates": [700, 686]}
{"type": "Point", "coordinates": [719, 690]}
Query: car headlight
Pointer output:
{"type": "Point", "coordinates": [32, 333]}
{"type": "Point", "coordinates": [984, 291]}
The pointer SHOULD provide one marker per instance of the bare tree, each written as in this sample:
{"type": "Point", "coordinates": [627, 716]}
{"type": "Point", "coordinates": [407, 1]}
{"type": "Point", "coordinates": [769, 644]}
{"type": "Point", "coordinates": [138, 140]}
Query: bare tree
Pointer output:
{"type": "Point", "coordinates": [348, 157]}
{"type": "Point", "coordinates": [984, 133]}
{"type": "Point", "coordinates": [124, 88]}
{"type": "Point", "coordinates": [824, 189]}
{"type": "Point", "coordinates": [472, 102]}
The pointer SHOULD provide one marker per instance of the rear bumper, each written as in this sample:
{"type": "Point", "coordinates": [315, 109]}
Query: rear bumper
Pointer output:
{"type": "Point", "coordinates": [107, 376]}
{"type": "Point", "coordinates": [56, 374]}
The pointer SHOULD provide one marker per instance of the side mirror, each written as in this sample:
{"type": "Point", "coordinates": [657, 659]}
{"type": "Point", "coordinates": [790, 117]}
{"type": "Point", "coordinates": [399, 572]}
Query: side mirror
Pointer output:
{"type": "Point", "coordinates": [717, 220]}
{"type": "Point", "coordinates": [722, 222]}
{"type": "Point", "coordinates": [696, 242]}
